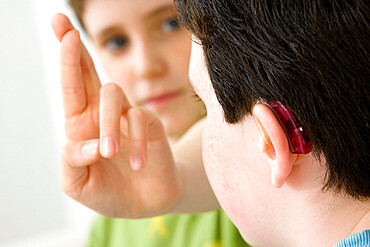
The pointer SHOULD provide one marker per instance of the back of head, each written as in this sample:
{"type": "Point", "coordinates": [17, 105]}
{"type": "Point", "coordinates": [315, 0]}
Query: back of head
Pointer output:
{"type": "Point", "coordinates": [313, 56]}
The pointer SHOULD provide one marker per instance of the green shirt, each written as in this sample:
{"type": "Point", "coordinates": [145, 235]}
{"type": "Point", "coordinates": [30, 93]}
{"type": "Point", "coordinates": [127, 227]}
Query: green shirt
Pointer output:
{"type": "Point", "coordinates": [211, 229]}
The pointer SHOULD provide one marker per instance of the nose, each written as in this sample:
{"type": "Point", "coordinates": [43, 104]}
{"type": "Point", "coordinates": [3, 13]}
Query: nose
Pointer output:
{"type": "Point", "coordinates": [149, 59]}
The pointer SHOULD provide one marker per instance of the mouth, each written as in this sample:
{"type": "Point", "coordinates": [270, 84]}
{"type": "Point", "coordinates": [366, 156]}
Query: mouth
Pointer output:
{"type": "Point", "coordinates": [162, 100]}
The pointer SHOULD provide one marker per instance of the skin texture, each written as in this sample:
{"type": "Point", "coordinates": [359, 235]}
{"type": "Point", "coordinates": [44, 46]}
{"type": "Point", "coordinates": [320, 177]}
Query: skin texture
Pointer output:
{"type": "Point", "coordinates": [274, 197]}
{"type": "Point", "coordinates": [145, 51]}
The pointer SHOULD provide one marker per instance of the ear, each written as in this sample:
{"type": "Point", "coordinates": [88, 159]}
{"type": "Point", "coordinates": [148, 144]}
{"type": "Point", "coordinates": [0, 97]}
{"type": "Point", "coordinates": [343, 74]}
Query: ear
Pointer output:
{"type": "Point", "coordinates": [275, 144]}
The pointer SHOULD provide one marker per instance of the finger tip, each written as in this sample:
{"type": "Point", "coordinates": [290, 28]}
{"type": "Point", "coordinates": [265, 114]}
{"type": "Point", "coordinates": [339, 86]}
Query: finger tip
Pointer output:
{"type": "Point", "coordinates": [60, 18]}
{"type": "Point", "coordinates": [137, 162]}
{"type": "Point", "coordinates": [90, 149]}
{"type": "Point", "coordinates": [137, 112]}
{"type": "Point", "coordinates": [109, 147]}
{"type": "Point", "coordinates": [55, 19]}
{"type": "Point", "coordinates": [106, 155]}
{"type": "Point", "coordinates": [70, 48]}
{"type": "Point", "coordinates": [61, 25]}
{"type": "Point", "coordinates": [72, 35]}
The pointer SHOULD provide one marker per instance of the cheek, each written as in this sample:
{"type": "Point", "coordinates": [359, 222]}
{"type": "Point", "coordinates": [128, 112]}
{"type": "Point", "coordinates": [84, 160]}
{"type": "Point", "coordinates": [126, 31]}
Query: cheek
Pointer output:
{"type": "Point", "coordinates": [118, 71]}
{"type": "Point", "coordinates": [223, 170]}
{"type": "Point", "coordinates": [177, 57]}
{"type": "Point", "coordinates": [233, 166]}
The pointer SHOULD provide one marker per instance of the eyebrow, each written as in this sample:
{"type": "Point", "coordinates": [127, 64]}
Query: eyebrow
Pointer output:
{"type": "Point", "coordinates": [117, 27]}
{"type": "Point", "coordinates": [168, 7]}
{"type": "Point", "coordinates": [108, 30]}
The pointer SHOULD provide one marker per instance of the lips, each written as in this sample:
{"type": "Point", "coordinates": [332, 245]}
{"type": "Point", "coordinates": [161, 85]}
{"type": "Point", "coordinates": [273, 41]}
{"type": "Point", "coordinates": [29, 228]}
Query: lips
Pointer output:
{"type": "Point", "coordinates": [161, 100]}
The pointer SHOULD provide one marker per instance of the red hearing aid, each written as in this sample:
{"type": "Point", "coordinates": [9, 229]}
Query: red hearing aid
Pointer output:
{"type": "Point", "coordinates": [298, 139]}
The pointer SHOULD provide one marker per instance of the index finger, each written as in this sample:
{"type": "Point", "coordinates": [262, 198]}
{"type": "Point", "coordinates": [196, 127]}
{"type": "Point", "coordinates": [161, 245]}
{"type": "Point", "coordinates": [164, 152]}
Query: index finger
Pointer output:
{"type": "Point", "coordinates": [73, 90]}
{"type": "Point", "coordinates": [80, 82]}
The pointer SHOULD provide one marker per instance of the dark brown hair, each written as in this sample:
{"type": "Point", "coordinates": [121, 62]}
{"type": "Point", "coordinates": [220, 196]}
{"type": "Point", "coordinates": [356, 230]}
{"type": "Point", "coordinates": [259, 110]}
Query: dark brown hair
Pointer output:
{"type": "Point", "coordinates": [311, 55]}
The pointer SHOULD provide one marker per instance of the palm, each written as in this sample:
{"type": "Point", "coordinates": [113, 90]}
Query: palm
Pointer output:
{"type": "Point", "coordinates": [108, 185]}
{"type": "Point", "coordinates": [83, 126]}
{"type": "Point", "coordinates": [139, 192]}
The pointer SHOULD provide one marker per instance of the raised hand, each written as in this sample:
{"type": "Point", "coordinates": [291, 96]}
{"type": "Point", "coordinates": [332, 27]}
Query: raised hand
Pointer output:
{"type": "Point", "coordinates": [117, 160]}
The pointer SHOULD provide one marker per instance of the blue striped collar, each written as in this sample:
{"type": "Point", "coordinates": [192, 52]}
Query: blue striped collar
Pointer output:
{"type": "Point", "coordinates": [360, 239]}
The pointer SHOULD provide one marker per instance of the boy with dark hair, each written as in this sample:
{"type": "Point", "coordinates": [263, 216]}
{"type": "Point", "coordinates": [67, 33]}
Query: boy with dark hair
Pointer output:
{"type": "Point", "coordinates": [312, 58]}
{"type": "Point", "coordinates": [310, 55]}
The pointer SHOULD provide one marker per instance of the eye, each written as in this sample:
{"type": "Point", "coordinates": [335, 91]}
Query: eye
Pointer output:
{"type": "Point", "coordinates": [116, 43]}
{"type": "Point", "coordinates": [170, 25]}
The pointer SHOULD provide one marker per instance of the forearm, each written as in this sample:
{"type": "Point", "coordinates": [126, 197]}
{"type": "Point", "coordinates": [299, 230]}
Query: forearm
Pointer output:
{"type": "Point", "coordinates": [196, 193]}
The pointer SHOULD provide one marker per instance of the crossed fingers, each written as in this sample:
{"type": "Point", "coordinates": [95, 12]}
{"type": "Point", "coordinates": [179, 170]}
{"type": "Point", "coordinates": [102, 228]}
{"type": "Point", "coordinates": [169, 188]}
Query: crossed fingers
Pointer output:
{"type": "Point", "coordinates": [83, 95]}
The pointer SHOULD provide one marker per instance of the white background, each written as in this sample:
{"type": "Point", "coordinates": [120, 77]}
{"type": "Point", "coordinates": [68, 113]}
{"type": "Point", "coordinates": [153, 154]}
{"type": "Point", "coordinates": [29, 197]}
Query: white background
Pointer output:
{"type": "Point", "coordinates": [33, 209]}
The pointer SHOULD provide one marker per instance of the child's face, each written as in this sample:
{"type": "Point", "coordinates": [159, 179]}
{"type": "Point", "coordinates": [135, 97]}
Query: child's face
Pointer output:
{"type": "Point", "coordinates": [143, 49]}
{"type": "Point", "coordinates": [235, 166]}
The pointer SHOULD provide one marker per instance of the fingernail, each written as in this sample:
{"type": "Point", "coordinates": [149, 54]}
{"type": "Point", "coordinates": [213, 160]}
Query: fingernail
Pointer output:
{"type": "Point", "coordinates": [90, 149]}
{"type": "Point", "coordinates": [137, 162]}
{"type": "Point", "coordinates": [109, 146]}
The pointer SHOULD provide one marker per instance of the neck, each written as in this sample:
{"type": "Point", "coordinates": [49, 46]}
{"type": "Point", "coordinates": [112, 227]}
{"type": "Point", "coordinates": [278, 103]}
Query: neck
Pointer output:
{"type": "Point", "coordinates": [328, 218]}
{"type": "Point", "coordinates": [363, 223]}
{"type": "Point", "coordinates": [316, 217]}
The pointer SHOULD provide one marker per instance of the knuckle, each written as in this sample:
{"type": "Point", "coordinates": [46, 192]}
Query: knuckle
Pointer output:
{"type": "Point", "coordinates": [109, 123]}
{"type": "Point", "coordinates": [71, 90]}
{"type": "Point", "coordinates": [137, 141]}
{"type": "Point", "coordinates": [109, 128]}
